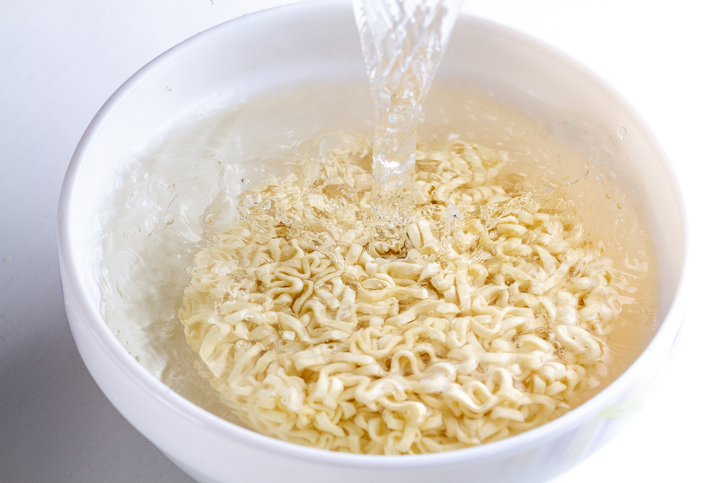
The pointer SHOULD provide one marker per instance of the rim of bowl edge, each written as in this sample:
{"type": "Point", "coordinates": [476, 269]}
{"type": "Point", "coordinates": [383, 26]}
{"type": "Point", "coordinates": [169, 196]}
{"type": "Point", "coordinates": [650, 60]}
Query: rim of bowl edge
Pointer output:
{"type": "Point", "coordinates": [188, 410]}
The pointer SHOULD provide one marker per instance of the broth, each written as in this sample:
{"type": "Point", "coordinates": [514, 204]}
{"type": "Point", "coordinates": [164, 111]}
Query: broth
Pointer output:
{"type": "Point", "coordinates": [182, 191]}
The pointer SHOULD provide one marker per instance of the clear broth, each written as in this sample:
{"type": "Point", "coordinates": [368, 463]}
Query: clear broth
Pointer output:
{"type": "Point", "coordinates": [182, 189]}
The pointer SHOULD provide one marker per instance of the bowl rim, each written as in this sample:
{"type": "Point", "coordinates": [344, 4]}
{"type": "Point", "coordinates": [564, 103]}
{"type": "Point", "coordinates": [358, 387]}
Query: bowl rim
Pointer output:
{"type": "Point", "coordinates": [101, 334]}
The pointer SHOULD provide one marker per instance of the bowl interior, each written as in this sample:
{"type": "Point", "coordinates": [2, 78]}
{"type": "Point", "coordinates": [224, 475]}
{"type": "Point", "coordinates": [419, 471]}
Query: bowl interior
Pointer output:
{"type": "Point", "coordinates": [244, 59]}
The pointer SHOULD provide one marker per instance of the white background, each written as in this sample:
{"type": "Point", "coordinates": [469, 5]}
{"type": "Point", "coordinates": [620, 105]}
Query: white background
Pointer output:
{"type": "Point", "coordinates": [60, 60]}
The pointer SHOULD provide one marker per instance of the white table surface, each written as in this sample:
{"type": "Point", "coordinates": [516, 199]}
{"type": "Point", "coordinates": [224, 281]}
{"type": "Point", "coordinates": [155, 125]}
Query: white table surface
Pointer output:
{"type": "Point", "coordinates": [60, 60]}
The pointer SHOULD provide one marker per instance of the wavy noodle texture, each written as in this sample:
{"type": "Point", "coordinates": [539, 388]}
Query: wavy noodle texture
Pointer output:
{"type": "Point", "coordinates": [487, 319]}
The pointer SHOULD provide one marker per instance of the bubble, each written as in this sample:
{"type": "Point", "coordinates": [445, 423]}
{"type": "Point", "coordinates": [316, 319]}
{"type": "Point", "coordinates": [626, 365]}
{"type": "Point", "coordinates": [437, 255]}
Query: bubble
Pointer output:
{"type": "Point", "coordinates": [243, 212]}
{"type": "Point", "coordinates": [612, 193]}
{"type": "Point", "coordinates": [266, 205]}
{"type": "Point", "coordinates": [168, 88]}
{"type": "Point", "coordinates": [606, 177]}
{"type": "Point", "coordinates": [244, 181]}
{"type": "Point", "coordinates": [251, 200]}
{"type": "Point", "coordinates": [452, 211]}
{"type": "Point", "coordinates": [621, 132]}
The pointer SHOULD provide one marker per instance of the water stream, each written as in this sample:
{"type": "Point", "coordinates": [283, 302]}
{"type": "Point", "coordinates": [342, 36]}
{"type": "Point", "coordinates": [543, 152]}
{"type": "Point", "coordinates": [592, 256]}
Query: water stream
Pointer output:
{"type": "Point", "coordinates": [403, 42]}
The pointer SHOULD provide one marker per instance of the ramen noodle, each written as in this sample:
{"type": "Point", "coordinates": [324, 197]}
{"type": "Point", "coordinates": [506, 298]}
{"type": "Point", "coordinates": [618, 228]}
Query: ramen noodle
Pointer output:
{"type": "Point", "coordinates": [489, 317]}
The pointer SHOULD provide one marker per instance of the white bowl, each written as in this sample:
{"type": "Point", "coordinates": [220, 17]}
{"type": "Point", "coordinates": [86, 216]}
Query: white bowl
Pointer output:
{"type": "Point", "coordinates": [318, 41]}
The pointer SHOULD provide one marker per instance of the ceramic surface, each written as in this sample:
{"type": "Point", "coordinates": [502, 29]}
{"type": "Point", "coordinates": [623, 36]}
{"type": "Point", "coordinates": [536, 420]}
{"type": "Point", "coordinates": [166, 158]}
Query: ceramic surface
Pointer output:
{"type": "Point", "coordinates": [296, 44]}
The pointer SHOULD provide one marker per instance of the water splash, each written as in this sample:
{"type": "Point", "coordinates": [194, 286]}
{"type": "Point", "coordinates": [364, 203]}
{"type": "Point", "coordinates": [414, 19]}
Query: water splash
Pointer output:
{"type": "Point", "coordinates": [403, 42]}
